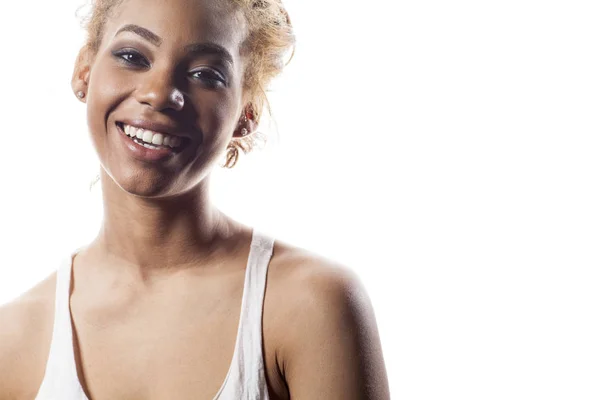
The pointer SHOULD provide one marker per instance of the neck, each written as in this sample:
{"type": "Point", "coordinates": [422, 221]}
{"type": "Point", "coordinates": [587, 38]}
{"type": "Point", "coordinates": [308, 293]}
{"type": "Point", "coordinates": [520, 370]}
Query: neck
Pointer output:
{"type": "Point", "coordinates": [151, 236]}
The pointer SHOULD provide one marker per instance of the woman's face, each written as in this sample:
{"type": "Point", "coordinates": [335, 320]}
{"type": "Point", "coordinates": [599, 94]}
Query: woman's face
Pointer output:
{"type": "Point", "coordinates": [173, 67]}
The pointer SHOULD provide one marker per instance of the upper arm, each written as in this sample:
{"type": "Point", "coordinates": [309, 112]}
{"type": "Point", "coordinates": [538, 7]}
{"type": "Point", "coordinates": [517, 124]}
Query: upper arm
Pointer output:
{"type": "Point", "coordinates": [11, 338]}
{"type": "Point", "coordinates": [25, 333]}
{"type": "Point", "coordinates": [332, 348]}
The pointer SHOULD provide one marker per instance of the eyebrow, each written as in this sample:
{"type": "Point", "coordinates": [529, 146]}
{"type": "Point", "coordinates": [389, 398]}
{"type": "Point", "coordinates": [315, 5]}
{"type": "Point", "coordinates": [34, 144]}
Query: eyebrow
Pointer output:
{"type": "Point", "coordinates": [196, 48]}
{"type": "Point", "coordinates": [209, 48]}
{"type": "Point", "coordinates": [143, 32]}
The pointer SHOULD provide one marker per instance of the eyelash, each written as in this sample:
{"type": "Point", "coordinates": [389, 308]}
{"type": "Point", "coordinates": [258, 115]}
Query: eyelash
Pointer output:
{"type": "Point", "coordinates": [122, 53]}
{"type": "Point", "coordinates": [212, 82]}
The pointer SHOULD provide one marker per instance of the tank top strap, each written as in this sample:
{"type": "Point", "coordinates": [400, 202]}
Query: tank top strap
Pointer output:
{"type": "Point", "coordinates": [254, 291]}
{"type": "Point", "coordinates": [61, 372]}
{"type": "Point", "coordinates": [246, 378]}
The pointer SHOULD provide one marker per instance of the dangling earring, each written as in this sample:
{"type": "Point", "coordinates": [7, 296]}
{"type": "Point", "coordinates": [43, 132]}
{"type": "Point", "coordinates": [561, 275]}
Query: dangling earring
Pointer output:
{"type": "Point", "coordinates": [244, 131]}
{"type": "Point", "coordinates": [232, 155]}
{"type": "Point", "coordinates": [81, 94]}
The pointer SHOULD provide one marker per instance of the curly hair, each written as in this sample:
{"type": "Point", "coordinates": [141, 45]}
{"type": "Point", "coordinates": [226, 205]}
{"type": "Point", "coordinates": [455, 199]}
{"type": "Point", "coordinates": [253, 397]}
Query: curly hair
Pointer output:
{"type": "Point", "coordinates": [270, 37]}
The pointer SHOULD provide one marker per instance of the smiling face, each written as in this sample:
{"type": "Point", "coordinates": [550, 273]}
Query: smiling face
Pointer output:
{"type": "Point", "coordinates": [174, 68]}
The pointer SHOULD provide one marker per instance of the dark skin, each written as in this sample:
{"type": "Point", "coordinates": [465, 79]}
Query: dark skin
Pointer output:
{"type": "Point", "coordinates": [156, 296]}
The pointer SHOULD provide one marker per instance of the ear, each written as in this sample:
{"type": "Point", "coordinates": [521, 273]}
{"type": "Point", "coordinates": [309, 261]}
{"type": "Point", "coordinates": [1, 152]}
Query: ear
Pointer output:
{"type": "Point", "coordinates": [249, 124]}
{"type": "Point", "coordinates": [81, 72]}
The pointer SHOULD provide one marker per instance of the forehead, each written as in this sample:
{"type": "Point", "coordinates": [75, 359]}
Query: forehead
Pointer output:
{"type": "Point", "coordinates": [182, 22]}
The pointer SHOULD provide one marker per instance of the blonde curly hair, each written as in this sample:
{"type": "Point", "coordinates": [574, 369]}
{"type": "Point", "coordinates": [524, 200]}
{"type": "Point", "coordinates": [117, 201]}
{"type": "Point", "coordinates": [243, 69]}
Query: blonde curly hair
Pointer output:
{"type": "Point", "coordinates": [270, 37]}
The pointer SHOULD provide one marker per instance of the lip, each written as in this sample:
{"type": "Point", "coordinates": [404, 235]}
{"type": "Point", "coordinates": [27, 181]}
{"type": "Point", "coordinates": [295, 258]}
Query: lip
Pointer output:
{"type": "Point", "coordinates": [142, 153]}
{"type": "Point", "coordinates": [156, 127]}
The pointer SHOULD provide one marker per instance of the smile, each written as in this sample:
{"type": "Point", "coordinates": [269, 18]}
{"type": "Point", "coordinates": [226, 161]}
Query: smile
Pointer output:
{"type": "Point", "coordinates": [151, 139]}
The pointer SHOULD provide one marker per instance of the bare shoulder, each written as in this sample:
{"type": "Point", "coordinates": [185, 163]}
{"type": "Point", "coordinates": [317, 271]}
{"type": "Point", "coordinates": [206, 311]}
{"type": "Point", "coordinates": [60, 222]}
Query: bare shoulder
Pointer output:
{"type": "Point", "coordinates": [25, 335]}
{"type": "Point", "coordinates": [329, 344]}
{"type": "Point", "coordinates": [295, 265]}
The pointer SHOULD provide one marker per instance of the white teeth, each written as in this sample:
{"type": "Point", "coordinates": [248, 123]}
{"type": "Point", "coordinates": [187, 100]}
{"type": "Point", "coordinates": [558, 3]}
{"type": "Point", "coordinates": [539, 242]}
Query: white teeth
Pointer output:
{"type": "Point", "coordinates": [152, 138]}
{"type": "Point", "coordinates": [147, 136]}
{"type": "Point", "coordinates": [157, 139]}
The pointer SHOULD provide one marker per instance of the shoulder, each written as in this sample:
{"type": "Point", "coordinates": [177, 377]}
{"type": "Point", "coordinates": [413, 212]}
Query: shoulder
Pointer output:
{"type": "Point", "coordinates": [300, 267]}
{"type": "Point", "coordinates": [25, 335]}
{"type": "Point", "coordinates": [328, 339]}
{"type": "Point", "coordinates": [306, 281]}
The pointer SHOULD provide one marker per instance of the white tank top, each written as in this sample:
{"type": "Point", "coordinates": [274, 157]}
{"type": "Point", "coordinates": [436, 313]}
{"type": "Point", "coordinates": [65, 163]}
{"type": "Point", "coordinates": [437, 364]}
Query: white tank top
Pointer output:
{"type": "Point", "coordinates": [245, 379]}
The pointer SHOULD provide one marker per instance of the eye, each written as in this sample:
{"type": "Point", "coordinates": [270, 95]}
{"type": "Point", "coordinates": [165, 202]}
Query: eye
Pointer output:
{"type": "Point", "coordinates": [210, 76]}
{"type": "Point", "coordinates": [132, 57]}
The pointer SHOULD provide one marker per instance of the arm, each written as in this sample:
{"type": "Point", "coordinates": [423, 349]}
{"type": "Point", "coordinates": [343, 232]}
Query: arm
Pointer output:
{"type": "Point", "coordinates": [25, 334]}
{"type": "Point", "coordinates": [11, 333]}
{"type": "Point", "coordinates": [332, 348]}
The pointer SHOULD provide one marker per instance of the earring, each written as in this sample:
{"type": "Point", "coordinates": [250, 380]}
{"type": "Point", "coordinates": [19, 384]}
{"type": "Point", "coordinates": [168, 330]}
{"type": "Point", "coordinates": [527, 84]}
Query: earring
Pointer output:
{"type": "Point", "coordinates": [232, 155]}
{"type": "Point", "coordinates": [244, 131]}
{"type": "Point", "coordinates": [80, 94]}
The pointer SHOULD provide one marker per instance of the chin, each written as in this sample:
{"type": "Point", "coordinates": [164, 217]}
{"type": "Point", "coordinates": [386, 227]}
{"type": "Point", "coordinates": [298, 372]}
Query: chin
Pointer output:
{"type": "Point", "coordinates": [142, 183]}
{"type": "Point", "coordinates": [145, 189]}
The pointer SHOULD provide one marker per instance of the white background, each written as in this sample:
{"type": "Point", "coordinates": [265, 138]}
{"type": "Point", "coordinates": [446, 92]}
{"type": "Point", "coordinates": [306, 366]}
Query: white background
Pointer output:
{"type": "Point", "coordinates": [446, 151]}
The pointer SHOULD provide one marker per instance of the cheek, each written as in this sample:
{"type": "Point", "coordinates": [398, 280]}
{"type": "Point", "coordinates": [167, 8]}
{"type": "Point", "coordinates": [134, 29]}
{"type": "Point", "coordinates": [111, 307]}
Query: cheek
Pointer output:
{"type": "Point", "coordinates": [219, 117]}
{"type": "Point", "coordinates": [106, 89]}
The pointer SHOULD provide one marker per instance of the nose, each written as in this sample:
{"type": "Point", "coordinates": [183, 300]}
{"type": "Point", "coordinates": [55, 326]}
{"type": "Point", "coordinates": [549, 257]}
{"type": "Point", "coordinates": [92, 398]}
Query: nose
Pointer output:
{"type": "Point", "coordinates": [159, 92]}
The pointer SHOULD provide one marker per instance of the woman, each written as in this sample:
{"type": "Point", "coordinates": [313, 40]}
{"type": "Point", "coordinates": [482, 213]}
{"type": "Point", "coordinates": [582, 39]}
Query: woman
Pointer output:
{"type": "Point", "coordinates": [150, 309]}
